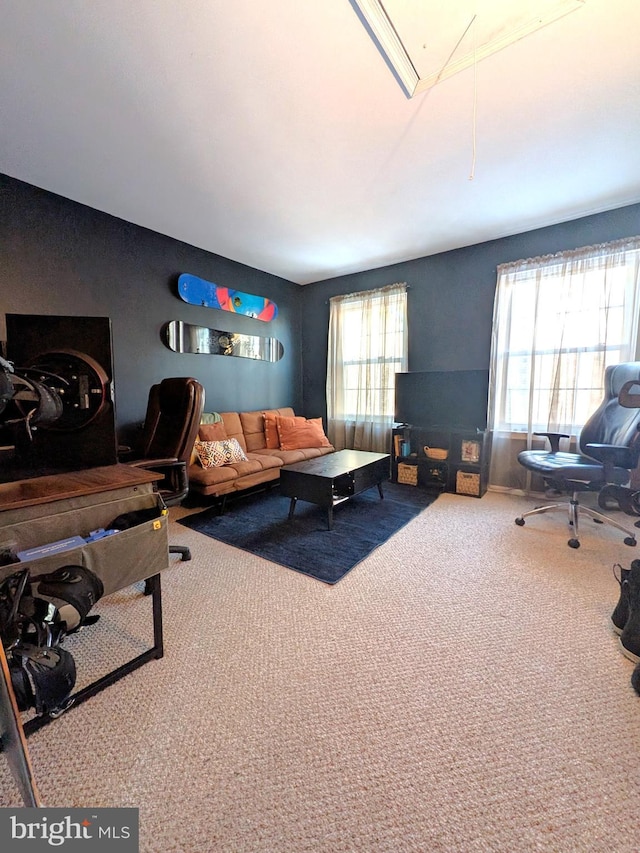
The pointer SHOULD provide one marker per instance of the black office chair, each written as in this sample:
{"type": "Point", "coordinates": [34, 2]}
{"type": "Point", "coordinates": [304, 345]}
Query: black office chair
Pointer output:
{"type": "Point", "coordinates": [609, 450]}
{"type": "Point", "coordinates": [626, 498]}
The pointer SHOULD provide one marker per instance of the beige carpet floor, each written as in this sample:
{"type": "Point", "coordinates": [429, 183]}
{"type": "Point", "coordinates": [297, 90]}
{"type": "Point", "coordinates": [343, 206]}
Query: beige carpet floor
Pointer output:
{"type": "Point", "coordinates": [460, 690]}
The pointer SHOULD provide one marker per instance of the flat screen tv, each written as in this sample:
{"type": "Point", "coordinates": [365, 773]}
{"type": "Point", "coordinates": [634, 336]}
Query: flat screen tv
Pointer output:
{"type": "Point", "coordinates": [448, 399]}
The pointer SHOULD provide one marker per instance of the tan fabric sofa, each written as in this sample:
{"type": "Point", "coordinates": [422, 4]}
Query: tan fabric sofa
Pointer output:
{"type": "Point", "coordinates": [263, 465]}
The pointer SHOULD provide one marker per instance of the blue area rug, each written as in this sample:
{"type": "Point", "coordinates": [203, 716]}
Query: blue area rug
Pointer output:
{"type": "Point", "coordinates": [259, 524]}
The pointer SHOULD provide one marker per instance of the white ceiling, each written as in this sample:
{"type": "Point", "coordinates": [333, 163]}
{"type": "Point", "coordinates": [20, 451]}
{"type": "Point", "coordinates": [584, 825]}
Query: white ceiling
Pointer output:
{"type": "Point", "coordinates": [273, 132]}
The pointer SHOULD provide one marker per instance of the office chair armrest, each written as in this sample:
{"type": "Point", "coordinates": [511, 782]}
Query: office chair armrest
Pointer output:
{"type": "Point", "coordinates": [554, 439]}
{"type": "Point", "coordinates": [155, 463]}
{"type": "Point", "coordinates": [611, 455]}
{"type": "Point", "coordinates": [175, 485]}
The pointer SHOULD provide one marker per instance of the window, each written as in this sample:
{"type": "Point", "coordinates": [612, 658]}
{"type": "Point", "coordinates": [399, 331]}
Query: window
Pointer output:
{"type": "Point", "coordinates": [367, 347]}
{"type": "Point", "coordinates": [559, 321]}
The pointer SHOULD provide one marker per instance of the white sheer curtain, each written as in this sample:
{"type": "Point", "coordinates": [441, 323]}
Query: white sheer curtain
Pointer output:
{"type": "Point", "coordinates": [558, 321]}
{"type": "Point", "coordinates": [367, 347]}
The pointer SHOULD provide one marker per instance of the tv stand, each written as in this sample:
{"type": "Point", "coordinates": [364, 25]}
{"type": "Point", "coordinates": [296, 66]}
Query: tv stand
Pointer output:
{"type": "Point", "coordinates": [465, 471]}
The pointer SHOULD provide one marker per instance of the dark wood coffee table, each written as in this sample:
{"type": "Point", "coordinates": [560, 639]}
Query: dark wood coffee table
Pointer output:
{"type": "Point", "coordinates": [334, 478]}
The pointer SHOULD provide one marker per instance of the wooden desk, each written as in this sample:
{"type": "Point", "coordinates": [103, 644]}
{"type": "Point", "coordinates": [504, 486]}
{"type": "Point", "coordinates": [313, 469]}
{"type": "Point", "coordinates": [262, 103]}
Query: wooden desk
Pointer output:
{"type": "Point", "coordinates": [55, 487]}
{"type": "Point", "coordinates": [47, 509]}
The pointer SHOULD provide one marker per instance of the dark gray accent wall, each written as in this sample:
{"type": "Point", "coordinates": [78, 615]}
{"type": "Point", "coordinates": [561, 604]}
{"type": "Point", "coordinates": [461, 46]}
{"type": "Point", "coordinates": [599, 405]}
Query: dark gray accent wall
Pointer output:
{"type": "Point", "coordinates": [450, 297]}
{"type": "Point", "coordinates": [60, 257]}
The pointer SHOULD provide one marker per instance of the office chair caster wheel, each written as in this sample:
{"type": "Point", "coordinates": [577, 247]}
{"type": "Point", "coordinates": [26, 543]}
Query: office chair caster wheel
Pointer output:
{"type": "Point", "coordinates": [573, 543]}
{"type": "Point", "coordinates": [629, 540]}
{"type": "Point", "coordinates": [520, 522]}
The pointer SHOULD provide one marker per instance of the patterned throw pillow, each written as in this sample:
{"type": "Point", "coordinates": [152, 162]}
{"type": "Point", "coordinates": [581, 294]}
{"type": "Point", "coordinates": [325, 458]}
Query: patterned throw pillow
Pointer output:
{"type": "Point", "coordinates": [213, 454]}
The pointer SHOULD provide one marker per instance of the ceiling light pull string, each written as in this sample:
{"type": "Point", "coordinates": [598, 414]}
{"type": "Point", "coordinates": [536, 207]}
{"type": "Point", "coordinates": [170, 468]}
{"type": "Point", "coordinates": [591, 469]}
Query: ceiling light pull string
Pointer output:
{"type": "Point", "coordinates": [475, 103]}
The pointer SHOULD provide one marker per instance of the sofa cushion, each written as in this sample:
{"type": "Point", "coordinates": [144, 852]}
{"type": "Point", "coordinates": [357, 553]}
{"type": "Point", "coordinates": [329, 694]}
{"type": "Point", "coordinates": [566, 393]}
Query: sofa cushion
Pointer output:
{"type": "Point", "coordinates": [249, 466]}
{"type": "Point", "coordinates": [265, 460]}
{"type": "Point", "coordinates": [296, 433]}
{"type": "Point", "coordinates": [212, 432]}
{"type": "Point", "coordinates": [215, 454]}
{"type": "Point", "coordinates": [249, 481]}
{"type": "Point", "coordinates": [253, 426]}
{"type": "Point", "coordinates": [205, 477]}
{"type": "Point", "coordinates": [233, 427]}
{"type": "Point", "coordinates": [313, 452]}
{"type": "Point", "coordinates": [288, 457]}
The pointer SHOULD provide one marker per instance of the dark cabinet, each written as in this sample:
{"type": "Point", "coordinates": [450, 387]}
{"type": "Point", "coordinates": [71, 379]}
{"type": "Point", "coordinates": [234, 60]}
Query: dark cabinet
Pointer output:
{"type": "Point", "coordinates": [447, 460]}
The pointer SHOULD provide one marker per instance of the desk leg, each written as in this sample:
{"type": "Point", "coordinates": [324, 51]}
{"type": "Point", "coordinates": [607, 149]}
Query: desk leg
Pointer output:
{"type": "Point", "coordinates": [158, 641]}
{"type": "Point", "coordinates": [330, 517]}
{"type": "Point", "coordinates": [380, 491]}
{"type": "Point", "coordinates": [292, 507]}
{"type": "Point", "coordinates": [157, 651]}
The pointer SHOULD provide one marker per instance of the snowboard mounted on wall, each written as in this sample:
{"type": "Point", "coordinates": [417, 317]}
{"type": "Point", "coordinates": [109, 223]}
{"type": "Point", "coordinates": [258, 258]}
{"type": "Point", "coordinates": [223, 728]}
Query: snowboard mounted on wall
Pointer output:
{"type": "Point", "coordinates": [197, 291]}
{"type": "Point", "coordinates": [187, 338]}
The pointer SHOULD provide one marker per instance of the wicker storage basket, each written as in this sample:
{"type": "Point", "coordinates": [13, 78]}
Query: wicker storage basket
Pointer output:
{"type": "Point", "coordinates": [408, 474]}
{"type": "Point", "coordinates": [467, 483]}
{"type": "Point", "coordinates": [435, 452]}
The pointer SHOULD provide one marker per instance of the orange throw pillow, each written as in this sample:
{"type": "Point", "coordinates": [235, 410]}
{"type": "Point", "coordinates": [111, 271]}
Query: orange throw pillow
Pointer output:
{"type": "Point", "coordinates": [271, 437]}
{"type": "Point", "coordinates": [212, 432]}
{"type": "Point", "coordinates": [297, 433]}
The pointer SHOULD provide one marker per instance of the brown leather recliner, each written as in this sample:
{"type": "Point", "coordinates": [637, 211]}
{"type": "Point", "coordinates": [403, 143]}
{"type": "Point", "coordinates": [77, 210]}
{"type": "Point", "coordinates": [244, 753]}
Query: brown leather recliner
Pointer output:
{"type": "Point", "coordinates": [174, 411]}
